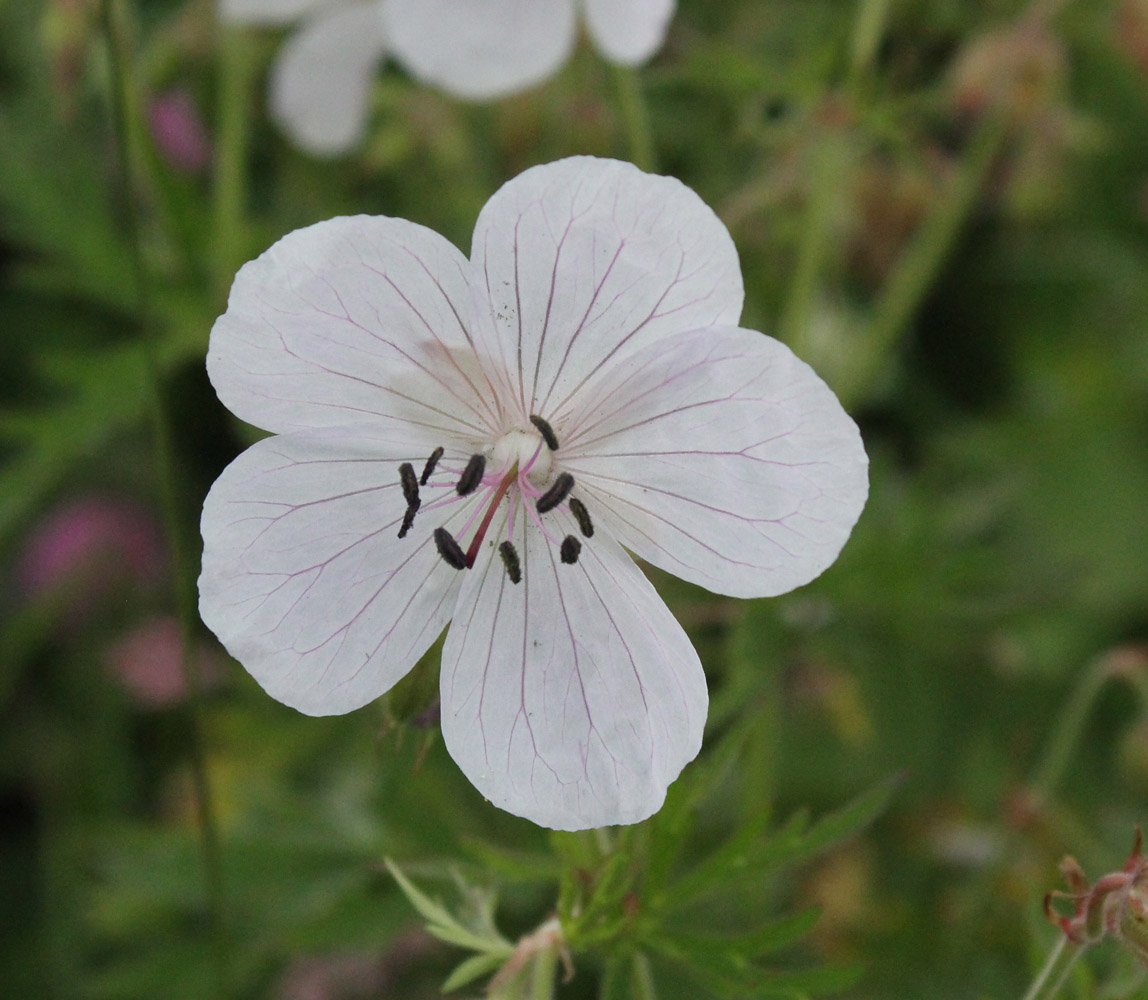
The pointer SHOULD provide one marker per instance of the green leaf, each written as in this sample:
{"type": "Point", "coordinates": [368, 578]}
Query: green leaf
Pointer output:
{"type": "Point", "coordinates": [428, 909]}
{"type": "Point", "coordinates": [471, 969]}
{"type": "Point", "coordinates": [745, 856]}
{"type": "Point", "coordinates": [760, 941]}
{"type": "Point", "coordinates": [853, 818]}
{"type": "Point", "coordinates": [443, 924]}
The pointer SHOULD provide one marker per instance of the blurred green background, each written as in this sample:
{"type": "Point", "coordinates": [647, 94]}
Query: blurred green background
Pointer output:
{"type": "Point", "coordinates": [940, 204]}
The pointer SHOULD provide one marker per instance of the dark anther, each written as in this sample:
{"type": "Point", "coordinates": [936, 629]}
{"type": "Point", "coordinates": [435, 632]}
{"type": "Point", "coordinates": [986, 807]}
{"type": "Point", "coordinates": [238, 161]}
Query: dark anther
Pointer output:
{"type": "Point", "coordinates": [582, 516]}
{"type": "Point", "coordinates": [546, 431]}
{"type": "Point", "coordinates": [410, 484]}
{"type": "Point", "coordinates": [449, 549]}
{"type": "Point", "coordinates": [408, 520]}
{"type": "Point", "coordinates": [569, 550]}
{"type": "Point", "coordinates": [471, 475]}
{"type": "Point", "coordinates": [428, 469]}
{"type": "Point", "coordinates": [556, 494]}
{"type": "Point", "coordinates": [510, 561]}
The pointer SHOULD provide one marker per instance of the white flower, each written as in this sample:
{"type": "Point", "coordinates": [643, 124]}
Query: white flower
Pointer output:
{"type": "Point", "coordinates": [474, 49]}
{"type": "Point", "coordinates": [583, 371]}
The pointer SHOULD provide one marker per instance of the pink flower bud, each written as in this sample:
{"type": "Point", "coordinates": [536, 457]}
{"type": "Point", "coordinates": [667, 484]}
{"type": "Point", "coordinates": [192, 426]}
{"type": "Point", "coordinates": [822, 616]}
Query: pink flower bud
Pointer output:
{"type": "Point", "coordinates": [1115, 904]}
{"type": "Point", "coordinates": [179, 131]}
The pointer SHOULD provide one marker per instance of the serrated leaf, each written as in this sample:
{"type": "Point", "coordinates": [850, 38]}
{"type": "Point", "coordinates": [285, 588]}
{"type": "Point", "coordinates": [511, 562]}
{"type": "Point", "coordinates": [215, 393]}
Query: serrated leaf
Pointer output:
{"type": "Point", "coordinates": [455, 933]}
{"type": "Point", "coordinates": [747, 851]}
{"type": "Point", "coordinates": [472, 969]}
{"type": "Point", "coordinates": [820, 980]}
{"type": "Point", "coordinates": [669, 826]}
{"type": "Point", "coordinates": [442, 923]}
{"type": "Point", "coordinates": [761, 940]}
{"type": "Point", "coordinates": [852, 818]}
{"type": "Point", "coordinates": [796, 842]}
{"type": "Point", "coordinates": [428, 909]}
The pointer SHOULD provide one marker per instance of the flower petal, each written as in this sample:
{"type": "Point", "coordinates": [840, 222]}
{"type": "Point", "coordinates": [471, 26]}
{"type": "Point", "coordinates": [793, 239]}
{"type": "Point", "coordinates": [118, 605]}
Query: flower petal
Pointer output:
{"type": "Point", "coordinates": [265, 11]}
{"type": "Point", "coordinates": [629, 31]}
{"type": "Point", "coordinates": [722, 458]}
{"type": "Point", "coordinates": [304, 579]}
{"type": "Point", "coordinates": [572, 698]}
{"type": "Point", "coordinates": [585, 261]}
{"type": "Point", "coordinates": [321, 82]}
{"type": "Point", "coordinates": [354, 320]}
{"type": "Point", "coordinates": [480, 49]}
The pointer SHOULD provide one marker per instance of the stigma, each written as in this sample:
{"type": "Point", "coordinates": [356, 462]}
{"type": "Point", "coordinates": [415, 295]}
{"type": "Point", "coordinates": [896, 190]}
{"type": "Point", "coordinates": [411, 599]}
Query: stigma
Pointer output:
{"type": "Point", "coordinates": [517, 469]}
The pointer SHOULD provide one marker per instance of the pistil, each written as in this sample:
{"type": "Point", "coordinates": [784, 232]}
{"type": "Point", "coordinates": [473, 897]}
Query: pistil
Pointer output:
{"type": "Point", "coordinates": [480, 534]}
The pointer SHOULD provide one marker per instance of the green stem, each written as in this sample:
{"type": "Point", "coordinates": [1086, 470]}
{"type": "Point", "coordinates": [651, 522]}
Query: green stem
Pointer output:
{"type": "Point", "coordinates": [920, 262]}
{"type": "Point", "coordinates": [1060, 961]}
{"type": "Point", "coordinates": [828, 170]}
{"type": "Point", "coordinates": [236, 73]}
{"type": "Point", "coordinates": [543, 974]}
{"type": "Point", "coordinates": [635, 117]}
{"type": "Point", "coordinates": [113, 16]}
{"type": "Point", "coordinates": [1068, 730]}
{"type": "Point", "coordinates": [643, 980]}
{"type": "Point", "coordinates": [868, 29]}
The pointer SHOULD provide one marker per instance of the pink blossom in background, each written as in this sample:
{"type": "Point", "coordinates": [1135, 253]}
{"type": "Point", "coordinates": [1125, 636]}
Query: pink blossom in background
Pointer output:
{"type": "Point", "coordinates": [94, 543]}
{"type": "Point", "coordinates": [179, 131]}
{"type": "Point", "coordinates": [147, 662]}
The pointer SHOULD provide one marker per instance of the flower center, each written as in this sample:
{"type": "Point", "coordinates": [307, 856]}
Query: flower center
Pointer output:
{"type": "Point", "coordinates": [523, 449]}
{"type": "Point", "coordinates": [516, 467]}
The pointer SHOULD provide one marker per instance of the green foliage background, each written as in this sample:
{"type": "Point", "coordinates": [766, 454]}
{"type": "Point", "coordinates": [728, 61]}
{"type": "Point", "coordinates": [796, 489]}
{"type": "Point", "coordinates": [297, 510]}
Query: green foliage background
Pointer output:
{"type": "Point", "coordinates": [941, 204]}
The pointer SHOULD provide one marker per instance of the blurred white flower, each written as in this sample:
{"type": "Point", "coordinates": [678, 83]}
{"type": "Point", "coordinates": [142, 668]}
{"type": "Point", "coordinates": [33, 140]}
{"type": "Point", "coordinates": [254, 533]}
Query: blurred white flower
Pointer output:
{"type": "Point", "coordinates": [475, 441]}
{"type": "Point", "coordinates": [474, 49]}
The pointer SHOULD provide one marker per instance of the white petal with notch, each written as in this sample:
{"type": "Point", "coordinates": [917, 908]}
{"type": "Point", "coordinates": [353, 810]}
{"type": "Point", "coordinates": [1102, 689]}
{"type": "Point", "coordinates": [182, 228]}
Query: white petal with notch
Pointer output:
{"type": "Point", "coordinates": [722, 458]}
{"type": "Point", "coordinates": [572, 698]}
{"type": "Point", "coordinates": [304, 579]}
{"type": "Point", "coordinates": [355, 320]}
{"type": "Point", "coordinates": [585, 261]}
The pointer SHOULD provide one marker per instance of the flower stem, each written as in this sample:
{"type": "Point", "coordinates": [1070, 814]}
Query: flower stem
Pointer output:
{"type": "Point", "coordinates": [542, 975]}
{"type": "Point", "coordinates": [635, 117]}
{"type": "Point", "coordinates": [920, 262]}
{"type": "Point", "coordinates": [1050, 978]}
{"type": "Point", "coordinates": [236, 72]}
{"type": "Point", "coordinates": [1068, 730]}
{"type": "Point", "coordinates": [868, 29]}
{"type": "Point", "coordinates": [643, 981]}
{"type": "Point", "coordinates": [828, 170]}
{"type": "Point", "coordinates": [113, 20]}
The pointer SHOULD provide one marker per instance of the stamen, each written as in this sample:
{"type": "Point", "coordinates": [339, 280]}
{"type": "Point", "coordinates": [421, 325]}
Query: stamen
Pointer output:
{"type": "Point", "coordinates": [510, 561]}
{"type": "Point", "coordinates": [408, 520]}
{"type": "Point", "coordinates": [570, 549]}
{"type": "Point", "coordinates": [546, 431]}
{"type": "Point", "coordinates": [471, 475]}
{"type": "Point", "coordinates": [556, 494]}
{"type": "Point", "coordinates": [410, 484]}
{"type": "Point", "coordinates": [582, 516]}
{"type": "Point", "coordinates": [449, 549]}
{"type": "Point", "coordinates": [428, 469]}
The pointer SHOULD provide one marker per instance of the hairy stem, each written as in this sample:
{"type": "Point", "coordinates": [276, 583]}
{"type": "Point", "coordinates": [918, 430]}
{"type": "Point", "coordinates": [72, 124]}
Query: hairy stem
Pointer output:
{"type": "Point", "coordinates": [1050, 978]}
